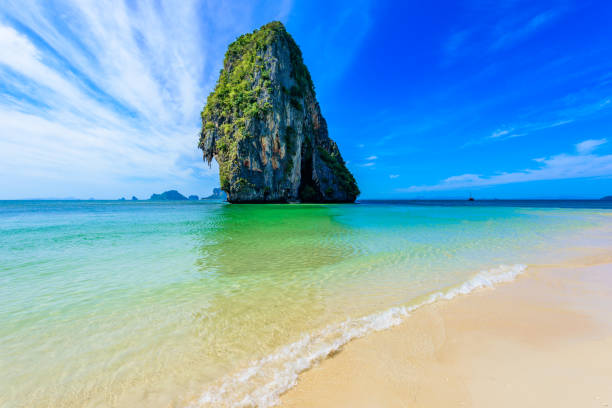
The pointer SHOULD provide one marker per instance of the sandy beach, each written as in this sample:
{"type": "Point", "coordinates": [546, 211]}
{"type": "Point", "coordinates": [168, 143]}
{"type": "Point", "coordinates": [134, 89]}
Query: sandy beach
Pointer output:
{"type": "Point", "coordinates": [543, 340]}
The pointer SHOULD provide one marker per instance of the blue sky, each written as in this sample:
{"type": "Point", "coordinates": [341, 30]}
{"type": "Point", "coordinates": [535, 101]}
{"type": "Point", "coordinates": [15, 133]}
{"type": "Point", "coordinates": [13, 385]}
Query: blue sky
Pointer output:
{"type": "Point", "coordinates": [502, 99]}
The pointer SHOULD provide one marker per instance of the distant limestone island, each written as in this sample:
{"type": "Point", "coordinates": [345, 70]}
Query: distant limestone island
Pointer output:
{"type": "Point", "coordinates": [174, 195]}
{"type": "Point", "coordinates": [606, 198]}
{"type": "Point", "coordinates": [264, 127]}
{"type": "Point", "coordinates": [217, 194]}
{"type": "Point", "coordinates": [170, 195]}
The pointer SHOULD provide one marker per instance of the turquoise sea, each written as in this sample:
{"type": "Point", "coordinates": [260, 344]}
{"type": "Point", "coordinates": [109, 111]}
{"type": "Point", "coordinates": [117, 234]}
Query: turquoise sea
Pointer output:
{"type": "Point", "coordinates": [198, 304]}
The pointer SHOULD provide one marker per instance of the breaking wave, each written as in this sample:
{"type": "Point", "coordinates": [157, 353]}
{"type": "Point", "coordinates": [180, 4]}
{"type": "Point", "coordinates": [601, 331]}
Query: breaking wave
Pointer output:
{"type": "Point", "coordinates": [264, 381]}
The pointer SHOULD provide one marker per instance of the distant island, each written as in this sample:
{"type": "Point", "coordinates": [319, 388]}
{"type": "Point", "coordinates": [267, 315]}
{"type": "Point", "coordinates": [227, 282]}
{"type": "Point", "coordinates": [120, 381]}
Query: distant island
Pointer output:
{"type": "Point", "coordinates": [606, 198]}
{"type": "Point", "coordinates": [170, 195]}
{"type": "Point", "coordinates": [174, 195]}
{"type": "Point", "coordinates": [217, 194]}
{"type": "Point", "coordinates": [264, 127]}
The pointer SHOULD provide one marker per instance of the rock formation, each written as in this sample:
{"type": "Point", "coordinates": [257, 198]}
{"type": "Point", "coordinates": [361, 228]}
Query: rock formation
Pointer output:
{"type": "Point", "coordinates": [217, 194]}
{"type": "Point", "coordinates": [264, 127]}
{"type": "Point", "coordinates": [170, 195]}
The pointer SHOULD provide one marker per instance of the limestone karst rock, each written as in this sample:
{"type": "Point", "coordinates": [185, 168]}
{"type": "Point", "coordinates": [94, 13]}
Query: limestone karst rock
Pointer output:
{"type": "Point", "coordinates": [263, 125]}
{"type": "Point", "coordinates": [170, 195]}
{"type": "Point", "coordinates": [217, 194]}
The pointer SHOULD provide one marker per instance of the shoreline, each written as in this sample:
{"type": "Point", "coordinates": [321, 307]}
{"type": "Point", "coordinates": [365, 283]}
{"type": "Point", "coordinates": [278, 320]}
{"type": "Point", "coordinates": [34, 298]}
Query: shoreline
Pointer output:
{"type": "Point", "coordinates": [271, 380]}
{"type": "Point", "coordinates": [525, 343]}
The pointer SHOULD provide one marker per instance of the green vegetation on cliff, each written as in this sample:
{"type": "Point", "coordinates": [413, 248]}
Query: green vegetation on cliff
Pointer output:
{"type": "Point", "coordinates": [337, 165]}
{"type": "Point", "coordinates": [241, 89]}
{"type": "Point", "coordinates": [263, 125]}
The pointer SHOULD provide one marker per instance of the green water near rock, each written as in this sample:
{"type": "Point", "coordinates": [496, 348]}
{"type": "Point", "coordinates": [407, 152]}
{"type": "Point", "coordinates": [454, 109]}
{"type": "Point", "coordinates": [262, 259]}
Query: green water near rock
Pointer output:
{"type": "Point", "coordinates": [161, 304]}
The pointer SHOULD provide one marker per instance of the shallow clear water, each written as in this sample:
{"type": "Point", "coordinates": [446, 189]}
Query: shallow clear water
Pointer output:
{"type": "Point", "coordinates": [173, 304]}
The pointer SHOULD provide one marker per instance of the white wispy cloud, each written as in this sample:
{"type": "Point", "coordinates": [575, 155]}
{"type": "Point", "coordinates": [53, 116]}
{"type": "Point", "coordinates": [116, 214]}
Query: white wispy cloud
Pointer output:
{"type": "Point", "coordinates": [497, 26]}
{"type": "Point", "coordinates": [503, 134]}
{"type": "Point", "coordinates": [563, 111]}
{"type": "Point", "coordinates": [370, 161]}
{"type": "Point", "coordinates": [589, 145]}
{"type": "Point", "coordinates": [521, 29]}
{"type": "Point", "coordinates": [393, 176]}
{"type": "Point", "coordinates": [499, 133]}
{"type": "Point", "coordinates": [582, 164]}
{"type": "Point", "coordinates": [96, 96]}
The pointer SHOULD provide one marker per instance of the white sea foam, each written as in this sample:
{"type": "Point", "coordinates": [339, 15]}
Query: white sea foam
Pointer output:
{"type": "Point", "coordinates": [485, 279]}
{"type": "Point", "coordinates": [262, 383]}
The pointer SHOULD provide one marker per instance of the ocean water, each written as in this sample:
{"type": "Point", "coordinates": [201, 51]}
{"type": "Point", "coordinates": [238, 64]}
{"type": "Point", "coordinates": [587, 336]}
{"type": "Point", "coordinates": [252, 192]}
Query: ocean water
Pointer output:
{"type": "Point", "coordinates": [203, 304]}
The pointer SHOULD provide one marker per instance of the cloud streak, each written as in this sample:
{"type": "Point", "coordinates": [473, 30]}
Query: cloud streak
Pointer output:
{"type": "Point", "coordinates": [523, 29]}
{"type": "Point", "coordinates": [584, 163]}
{"type": "Point", "coordinates": [94, 97]}
{"type": "Point", "coordinates": [588, 146]}
{"type": "Point", "coordinates": [499, 27]}
{"type": "Point", "coordinates": [589, 103]}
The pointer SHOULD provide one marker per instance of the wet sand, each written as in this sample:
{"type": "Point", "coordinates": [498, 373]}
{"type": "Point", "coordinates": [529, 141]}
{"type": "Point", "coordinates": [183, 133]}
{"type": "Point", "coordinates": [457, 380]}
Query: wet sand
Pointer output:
{"type": "Point", "coordinates": [544, 340]}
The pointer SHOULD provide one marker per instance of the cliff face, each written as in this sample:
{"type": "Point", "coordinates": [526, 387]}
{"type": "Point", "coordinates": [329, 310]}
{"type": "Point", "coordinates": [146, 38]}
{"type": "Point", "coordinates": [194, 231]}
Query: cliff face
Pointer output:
{"type": "Point", "coordinates": [264, 127]}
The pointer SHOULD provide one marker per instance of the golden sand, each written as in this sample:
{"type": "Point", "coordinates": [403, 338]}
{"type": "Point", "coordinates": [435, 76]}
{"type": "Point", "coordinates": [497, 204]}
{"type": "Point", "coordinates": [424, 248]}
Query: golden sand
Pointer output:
{"type": "Point", "coordinates": [543, 341]}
